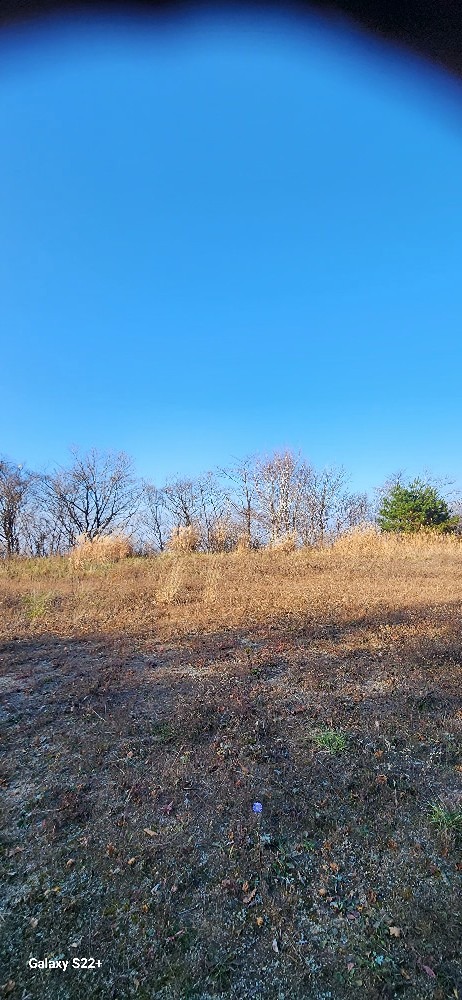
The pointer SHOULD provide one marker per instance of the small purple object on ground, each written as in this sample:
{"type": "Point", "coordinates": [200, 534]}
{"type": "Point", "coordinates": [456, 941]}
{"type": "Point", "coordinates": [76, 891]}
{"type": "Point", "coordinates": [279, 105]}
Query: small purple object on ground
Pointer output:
{"type": "Point", "coordinates": [257, 807]}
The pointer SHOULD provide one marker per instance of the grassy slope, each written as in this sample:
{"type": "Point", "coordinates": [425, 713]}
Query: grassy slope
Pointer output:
{"type": "Point", "coordinates": [167, 695]}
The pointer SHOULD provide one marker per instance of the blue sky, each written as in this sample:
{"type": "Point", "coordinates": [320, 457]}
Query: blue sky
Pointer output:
{"type": "Point", "coordinates": [225, 236]}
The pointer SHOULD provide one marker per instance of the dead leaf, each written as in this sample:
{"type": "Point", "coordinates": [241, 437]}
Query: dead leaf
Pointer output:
{"type": "Point", "coordinates": [33, 922]}
{"type": "Point", "coordinates": [429, 971]}
{"type": "Point", "coordinates": [150, 833]}
{"type": "Point", "coordinates": [131, 861]}
{"type": "Point", "coordinates": [9, 986]}
{"type": "Point", "coordinates": [350, 966]}
{"type": "Point", "coordinates": [248, 899]}
{"type": "Point", "coordinates": [395, 932]}
{"type": "Point", "coordinates": [259, 921]}
{"type": "Point", "coordinates": [168, 808]}
{"type": "Point", "coordinates": [245, 887]}
{"type": "Point", "coordinates": [229, 884]}
{"type": "Point", "coordinates": [275, 946]}
{"type": "Point", "coordinates": [70, 862]}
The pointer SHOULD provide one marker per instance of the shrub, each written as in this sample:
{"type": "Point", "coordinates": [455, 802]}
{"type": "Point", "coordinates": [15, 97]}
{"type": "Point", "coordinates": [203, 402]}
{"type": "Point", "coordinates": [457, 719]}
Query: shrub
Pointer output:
{"type": "Point", "coordinates": [101, 549]}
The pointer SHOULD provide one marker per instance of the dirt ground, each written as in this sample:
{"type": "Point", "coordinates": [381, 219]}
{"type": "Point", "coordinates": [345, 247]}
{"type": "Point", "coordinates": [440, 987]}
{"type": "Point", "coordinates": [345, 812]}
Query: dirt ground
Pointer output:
{"type": "Point", "coordinates": [130, 765]}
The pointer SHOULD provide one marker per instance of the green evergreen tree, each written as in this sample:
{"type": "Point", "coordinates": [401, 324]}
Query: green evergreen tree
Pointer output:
{"type": "Point", "coordinates": [415, 507]}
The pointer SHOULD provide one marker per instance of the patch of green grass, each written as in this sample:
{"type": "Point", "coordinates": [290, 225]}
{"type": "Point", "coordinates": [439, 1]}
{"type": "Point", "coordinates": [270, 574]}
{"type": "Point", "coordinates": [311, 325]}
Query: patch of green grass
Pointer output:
{"type": "Point", "coordinates": [283, 867]}
{"type": "Point", "coordinates": [220, 971]}
{"type": "Point", "coordinates": [163, 732]}
{"type": "Point", "coordinates": [25, 568]}
{"type": "Point", "coordinates": [37, 604]}
{"type": "Point", "coordinates": [330, 740]}
{"type": "Point", "coordinates": [307, 844]}
{"type": "Point", "coordinates": [445, 819]}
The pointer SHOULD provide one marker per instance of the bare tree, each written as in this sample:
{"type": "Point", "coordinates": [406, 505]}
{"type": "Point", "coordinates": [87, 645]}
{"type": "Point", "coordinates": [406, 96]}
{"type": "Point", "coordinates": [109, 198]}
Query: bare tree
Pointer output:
{"type": "Point", "coordinates": [182, 501]}
{"type": "Point", "coordinates": [241, 497]}
{"type": "Point", "coordinates": [294, 497]}
{"type": "Point", "coordinates": [15, 490]}
{"type": "Point", "coordinates": [280, 487]}
{"type": "Point", "coordinates": [41, 535]}
{"type": "Point", "coordinates": [324, 497]}
{"type": "Point", "coordinates": [96, 495]}
{"type": "Point", "coordinates": [352, 509]}
{"type": "Point", "coordinates": [154, 516]}
{"type": "Point", "coordinates": [214, 520]}
{"type": "Point", "coordinates": [200, 503]}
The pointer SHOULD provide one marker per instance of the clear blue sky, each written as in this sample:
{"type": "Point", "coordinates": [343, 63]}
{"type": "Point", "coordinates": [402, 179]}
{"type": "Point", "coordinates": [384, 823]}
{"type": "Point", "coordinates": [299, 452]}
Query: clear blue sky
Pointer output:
{"type": "Point", "coordinates": [224, 237]}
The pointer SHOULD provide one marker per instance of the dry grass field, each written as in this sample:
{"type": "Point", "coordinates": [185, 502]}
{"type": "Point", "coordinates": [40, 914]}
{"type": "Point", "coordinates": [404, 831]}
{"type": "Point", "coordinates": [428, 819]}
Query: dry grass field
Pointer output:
{"type": "Point", "coordinates": [148, 703]}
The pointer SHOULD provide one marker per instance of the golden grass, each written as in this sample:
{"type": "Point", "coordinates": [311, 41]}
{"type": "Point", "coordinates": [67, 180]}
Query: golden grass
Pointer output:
{"type": "Point", "coordinates": [174, 594]}
{"type": "Point", "coordinates": [184, 539]}
{"type": "Point", "coordinates": [101, 549]}
{"type": "Point", "coordinates": [286, 542]}
{"type": "Point", "coordinates": [366, 540]}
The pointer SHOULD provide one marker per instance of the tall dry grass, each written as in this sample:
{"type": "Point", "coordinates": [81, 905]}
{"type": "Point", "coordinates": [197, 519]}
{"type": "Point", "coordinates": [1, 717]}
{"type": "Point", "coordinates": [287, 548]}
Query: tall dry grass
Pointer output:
{"type": "Point", "coordinates": [360, 576]}
{"type": "Point", "coordinates": [101, 549]}
{"type": "Point", "coordinates": [367, 541]}
{"type": "Point", "coordinates": [286, 542]}
{"type": "Point", "coordinates": [184, 539]}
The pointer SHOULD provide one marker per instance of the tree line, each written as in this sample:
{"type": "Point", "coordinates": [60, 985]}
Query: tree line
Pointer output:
{"type": "Point", "coordinates": [255, 501]}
